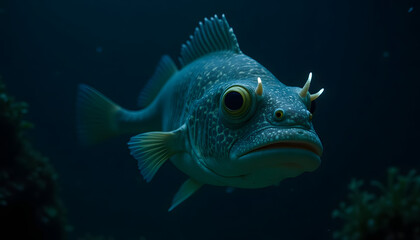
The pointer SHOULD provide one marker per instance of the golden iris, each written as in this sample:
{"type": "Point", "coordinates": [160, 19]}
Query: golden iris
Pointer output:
{"type": "Point", "coordinates": [279, 114]}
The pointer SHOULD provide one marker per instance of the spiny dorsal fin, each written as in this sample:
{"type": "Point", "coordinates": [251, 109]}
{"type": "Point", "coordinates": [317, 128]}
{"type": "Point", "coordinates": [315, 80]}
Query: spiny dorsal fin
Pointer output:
{"type": "Point", "coordinates": [164, 70]}
{"type": "Point", "coordinates": [212, 36]}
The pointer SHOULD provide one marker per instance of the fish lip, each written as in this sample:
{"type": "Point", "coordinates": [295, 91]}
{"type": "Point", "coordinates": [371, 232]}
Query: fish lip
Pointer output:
{"type": "Point", "coordinates": [297, 159]}
{"type": "Point", "coordinates": [304, 139]}
{"type": "Point", "coordinates": [204, 164]}
{"type": "Point", "coordinates": [302, 145]}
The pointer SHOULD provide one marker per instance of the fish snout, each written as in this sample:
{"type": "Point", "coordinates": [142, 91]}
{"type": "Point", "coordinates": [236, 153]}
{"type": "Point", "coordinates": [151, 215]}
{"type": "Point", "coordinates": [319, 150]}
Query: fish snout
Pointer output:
{"type": "Point", "coordinates": [282, 116]}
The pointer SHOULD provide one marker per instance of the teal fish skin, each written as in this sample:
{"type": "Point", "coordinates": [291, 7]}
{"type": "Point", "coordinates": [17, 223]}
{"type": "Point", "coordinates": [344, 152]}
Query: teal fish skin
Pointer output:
{"type": "Point", "coordinates": [193, 95]}
{"type": "Point", "coordinates": [222, 119]}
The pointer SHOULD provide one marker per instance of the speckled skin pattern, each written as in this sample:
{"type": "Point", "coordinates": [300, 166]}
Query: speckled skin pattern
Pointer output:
{"type": "Point", "coordinates": [214, 145]}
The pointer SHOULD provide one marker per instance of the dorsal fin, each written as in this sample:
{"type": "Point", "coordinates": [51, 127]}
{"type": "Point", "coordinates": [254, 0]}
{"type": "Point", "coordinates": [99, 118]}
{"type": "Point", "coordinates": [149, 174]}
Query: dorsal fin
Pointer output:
{"type": "Point", "coordinates": [212, 36]}
{"type": "Point", "coordinates": [164, 70]}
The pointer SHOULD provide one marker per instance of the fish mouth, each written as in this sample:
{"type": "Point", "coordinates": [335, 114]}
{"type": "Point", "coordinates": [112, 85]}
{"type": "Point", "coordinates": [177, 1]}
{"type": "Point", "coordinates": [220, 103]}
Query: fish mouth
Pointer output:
{"type": "Point", "coordinates": [274, 147]}
{"type": "Point", "coordinates": [288, 144]}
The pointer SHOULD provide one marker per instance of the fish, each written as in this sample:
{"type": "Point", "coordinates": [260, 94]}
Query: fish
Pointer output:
{"type": "Point", "coordinates": [219, 116]}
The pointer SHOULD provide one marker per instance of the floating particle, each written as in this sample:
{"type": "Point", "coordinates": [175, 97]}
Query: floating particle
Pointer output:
{"type": "Point", "coordinates": [410, 9]}
{"type": "Point", "coordinates": [230, 189]}
{"type": "Point", "coordinates": [385, 54]}
{"type": "Point", "coordinates": [99, 49]}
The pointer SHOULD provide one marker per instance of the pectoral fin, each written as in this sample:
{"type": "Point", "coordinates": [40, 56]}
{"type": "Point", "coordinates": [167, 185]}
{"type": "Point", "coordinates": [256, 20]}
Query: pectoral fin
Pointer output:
{"type": "Point", "coordinates": [185, 191]}
{"type": "Point", "coordinates": [152, 149]}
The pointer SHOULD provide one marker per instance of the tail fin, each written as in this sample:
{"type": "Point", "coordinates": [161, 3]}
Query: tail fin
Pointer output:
{"type": "Point", "coordinates": [96, 116]}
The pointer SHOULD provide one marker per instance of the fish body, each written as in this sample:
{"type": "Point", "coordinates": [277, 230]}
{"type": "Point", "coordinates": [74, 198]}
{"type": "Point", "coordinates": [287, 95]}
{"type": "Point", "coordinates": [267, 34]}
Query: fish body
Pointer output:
{"type": "Point", "coordinates": [222, 118]}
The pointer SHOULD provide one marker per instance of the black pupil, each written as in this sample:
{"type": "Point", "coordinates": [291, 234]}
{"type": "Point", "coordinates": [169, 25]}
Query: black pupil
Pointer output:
{"type": "Point", "coordinates": [233, 100]}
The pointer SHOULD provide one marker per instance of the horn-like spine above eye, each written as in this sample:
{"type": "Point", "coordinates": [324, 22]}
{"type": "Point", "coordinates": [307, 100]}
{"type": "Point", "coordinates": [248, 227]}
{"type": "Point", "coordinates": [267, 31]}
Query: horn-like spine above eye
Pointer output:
{"type": "Point", "coordinates": [316, 95]}
{"type": "Point", "coordinates": [305, 88]}
{"type": "Point", "coordinates": [259, 89]}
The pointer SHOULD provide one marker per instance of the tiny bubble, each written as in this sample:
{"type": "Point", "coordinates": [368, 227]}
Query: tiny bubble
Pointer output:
{"type": "Point", "coordinates": [230, 189]}
{"type": "Point", "coordinates": [385, 54]}
{"type": "Point", "coordinates": [99, 49]}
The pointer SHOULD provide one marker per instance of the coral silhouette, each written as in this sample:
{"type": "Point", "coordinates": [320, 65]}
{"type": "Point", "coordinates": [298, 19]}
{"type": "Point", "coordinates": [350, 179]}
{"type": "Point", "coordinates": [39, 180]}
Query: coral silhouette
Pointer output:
{"type": "Point", "coordinates": [29, 205]}
{"type": "Point", "coordinates": [389, 211]}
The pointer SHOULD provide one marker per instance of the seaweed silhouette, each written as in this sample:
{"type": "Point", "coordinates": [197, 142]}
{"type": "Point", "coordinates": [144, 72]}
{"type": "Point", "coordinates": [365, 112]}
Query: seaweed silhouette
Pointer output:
{"type": "Point", "coordinates": [29, 204]}
{"type": "Point", "coordinates": [389, 211]}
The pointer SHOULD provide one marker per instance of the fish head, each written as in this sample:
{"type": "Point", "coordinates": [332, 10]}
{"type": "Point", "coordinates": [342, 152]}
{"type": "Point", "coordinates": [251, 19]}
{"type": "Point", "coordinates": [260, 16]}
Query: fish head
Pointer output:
{"type": "Point", "coordinates": [255, 131]}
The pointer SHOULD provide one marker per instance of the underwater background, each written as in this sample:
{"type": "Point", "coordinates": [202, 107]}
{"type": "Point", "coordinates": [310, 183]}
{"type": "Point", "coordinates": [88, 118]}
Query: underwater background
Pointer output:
{"type": "Point", "coordinates": [366, 54]}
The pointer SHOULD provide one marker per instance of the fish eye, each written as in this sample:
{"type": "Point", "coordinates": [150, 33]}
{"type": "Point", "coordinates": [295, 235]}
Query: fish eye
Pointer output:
{"type": "Point", "coordinates": [236, 102]}
{"type": "Point", "coordinates": [278, 114]}
{"type": "Point", "coordinates": [233, 101]}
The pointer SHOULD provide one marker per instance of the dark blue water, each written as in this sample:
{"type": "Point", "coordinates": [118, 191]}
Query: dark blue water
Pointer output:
{"type": "Point", "coordinates": [364, 53]}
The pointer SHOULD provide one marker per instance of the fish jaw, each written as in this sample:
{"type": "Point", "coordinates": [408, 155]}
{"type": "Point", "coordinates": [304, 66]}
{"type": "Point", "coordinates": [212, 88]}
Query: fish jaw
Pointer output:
{"type": "Point", "coordinates": [263, 158]}
{"type": "Point", "coordinates": [293, 149]}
